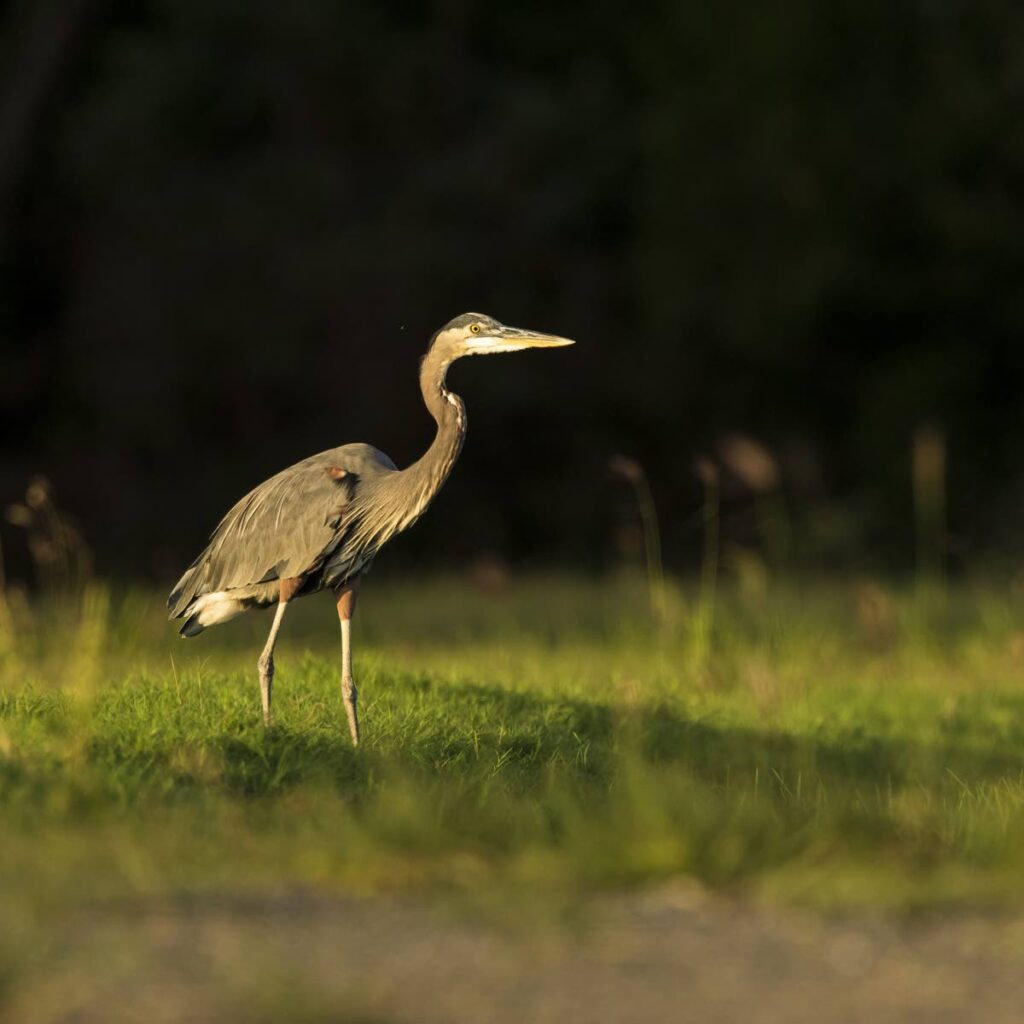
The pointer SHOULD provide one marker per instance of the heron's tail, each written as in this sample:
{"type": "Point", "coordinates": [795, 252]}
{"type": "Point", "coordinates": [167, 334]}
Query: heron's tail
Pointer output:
{"type": "Point", "coordinates": [184, 593]}
{"type": "Point", "coordinates": [191, 627]}
{"type": "Point", "coordinates": [210, 610]}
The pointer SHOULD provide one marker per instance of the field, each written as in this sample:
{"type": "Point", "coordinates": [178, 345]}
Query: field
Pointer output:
{"type": "Point", "coordinates": [531, 749]}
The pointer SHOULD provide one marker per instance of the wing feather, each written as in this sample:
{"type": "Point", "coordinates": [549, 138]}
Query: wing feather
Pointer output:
{"type": "Point", "coordinates": [285, 527]}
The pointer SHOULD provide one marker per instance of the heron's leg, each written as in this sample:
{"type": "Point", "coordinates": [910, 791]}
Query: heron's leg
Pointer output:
{"type": "Point", "coordinates": [349, 694]}
{"type": "Point", "coordinates": [266, 662]}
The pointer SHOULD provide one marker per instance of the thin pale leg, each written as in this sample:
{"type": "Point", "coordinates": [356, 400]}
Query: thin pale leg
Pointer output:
{"type": "Point", "coordinates": [266, 662]}
{"type": "Point", "coordinates": [349, 694]}
{"type": "Point", "coordinates": [289, 588]}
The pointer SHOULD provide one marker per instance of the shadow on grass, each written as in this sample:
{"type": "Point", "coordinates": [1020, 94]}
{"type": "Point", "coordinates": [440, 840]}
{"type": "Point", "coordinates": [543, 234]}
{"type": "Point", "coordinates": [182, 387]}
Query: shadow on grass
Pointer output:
{"type": "Point", "coordinates": [476, 733]}
{"type": "Point", "coordinates": [484, 730]}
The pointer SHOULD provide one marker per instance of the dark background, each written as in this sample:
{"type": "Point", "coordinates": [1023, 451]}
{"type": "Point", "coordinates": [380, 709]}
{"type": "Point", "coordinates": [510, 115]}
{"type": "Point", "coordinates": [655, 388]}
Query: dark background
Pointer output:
{"type": "Point", "coordinates": [228, 229]}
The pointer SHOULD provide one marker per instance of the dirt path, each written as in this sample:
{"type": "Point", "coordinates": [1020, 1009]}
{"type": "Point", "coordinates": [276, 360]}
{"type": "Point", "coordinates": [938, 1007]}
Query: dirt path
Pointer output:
{"type": "Point", "coordinates": [674, 954]}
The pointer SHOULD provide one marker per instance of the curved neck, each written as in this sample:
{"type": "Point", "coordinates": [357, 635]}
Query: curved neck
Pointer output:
{"type": "Point", "coordinates": [450, 415]}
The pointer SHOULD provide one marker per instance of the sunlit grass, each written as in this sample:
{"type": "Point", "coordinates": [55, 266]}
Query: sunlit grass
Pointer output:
{"type": "Point", "coordinates": [834, 745]}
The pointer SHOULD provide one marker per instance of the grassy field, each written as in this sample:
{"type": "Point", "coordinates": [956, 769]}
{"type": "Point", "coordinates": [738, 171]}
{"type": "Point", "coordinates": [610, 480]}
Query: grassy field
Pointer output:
{"type": "Point", "coordinates": [825, 744]}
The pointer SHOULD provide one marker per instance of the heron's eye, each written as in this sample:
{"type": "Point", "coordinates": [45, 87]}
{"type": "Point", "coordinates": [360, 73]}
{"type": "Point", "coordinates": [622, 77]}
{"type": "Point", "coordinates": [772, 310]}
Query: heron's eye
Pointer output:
{"type": "Point", "coordinates": [475, 328]}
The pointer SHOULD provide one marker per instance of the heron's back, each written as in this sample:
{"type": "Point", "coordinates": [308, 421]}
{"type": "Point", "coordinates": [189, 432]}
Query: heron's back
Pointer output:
{"type": "Point", "coordinates": [287, 527]}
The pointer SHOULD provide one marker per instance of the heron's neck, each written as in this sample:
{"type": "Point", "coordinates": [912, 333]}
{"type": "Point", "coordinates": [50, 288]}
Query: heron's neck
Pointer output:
{"type": "Point", "coordinates": [450, 415]}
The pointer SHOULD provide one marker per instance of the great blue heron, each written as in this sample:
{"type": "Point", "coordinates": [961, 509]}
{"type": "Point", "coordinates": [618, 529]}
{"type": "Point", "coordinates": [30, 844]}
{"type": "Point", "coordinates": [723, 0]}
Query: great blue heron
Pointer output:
{"type": "Point", "coordinates": [320, 523]}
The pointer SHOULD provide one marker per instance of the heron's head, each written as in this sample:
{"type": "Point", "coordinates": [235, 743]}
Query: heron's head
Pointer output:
{"type": "Point", "coordinates": [475, 334]}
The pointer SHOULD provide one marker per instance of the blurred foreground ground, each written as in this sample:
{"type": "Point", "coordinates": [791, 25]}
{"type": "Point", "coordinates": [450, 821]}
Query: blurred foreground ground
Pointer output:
{"type": "Point", "coordinates": [673, 953]}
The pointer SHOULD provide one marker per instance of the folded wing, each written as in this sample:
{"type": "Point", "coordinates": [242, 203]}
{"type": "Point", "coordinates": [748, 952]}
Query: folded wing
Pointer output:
{"type": "Point", "coordinates": [287, 527]}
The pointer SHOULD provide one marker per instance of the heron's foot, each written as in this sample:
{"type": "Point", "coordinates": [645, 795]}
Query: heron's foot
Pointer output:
{"type": "Point", "coordinates": [266, 669]}
{"type": "Point", "coordinates": [350, 697]}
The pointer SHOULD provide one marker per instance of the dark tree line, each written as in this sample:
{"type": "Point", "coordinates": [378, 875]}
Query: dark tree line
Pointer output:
{"type": "Point", "coordinates": [227, 229]}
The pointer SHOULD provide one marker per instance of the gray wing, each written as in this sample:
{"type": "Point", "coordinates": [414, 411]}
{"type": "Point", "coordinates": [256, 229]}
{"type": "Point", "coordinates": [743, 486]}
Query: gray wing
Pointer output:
{"type": "Point", "coordinates": [284, 528]}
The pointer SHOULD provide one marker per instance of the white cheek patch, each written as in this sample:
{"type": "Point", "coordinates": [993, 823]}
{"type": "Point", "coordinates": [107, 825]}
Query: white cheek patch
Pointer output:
{"type": "Point", "coordinates": [488, 345]}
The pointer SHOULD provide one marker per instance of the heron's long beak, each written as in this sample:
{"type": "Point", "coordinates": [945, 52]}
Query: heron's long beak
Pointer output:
{"type": "Point", "coordinates": [532, 339]}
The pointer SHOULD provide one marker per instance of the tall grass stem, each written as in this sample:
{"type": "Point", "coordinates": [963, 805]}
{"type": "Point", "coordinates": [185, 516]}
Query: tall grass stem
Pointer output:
{"type": "Point", "coordinates": [631, 470]}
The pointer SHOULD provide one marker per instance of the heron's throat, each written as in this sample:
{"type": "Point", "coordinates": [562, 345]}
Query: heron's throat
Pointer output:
{"type": "Point", "coordinates": [450, 415]}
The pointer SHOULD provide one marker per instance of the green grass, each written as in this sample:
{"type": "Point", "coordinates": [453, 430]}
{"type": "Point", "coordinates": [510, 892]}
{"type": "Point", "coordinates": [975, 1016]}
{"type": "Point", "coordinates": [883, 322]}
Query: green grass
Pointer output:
{"type": "Point", "coordinates": [837, 745]}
